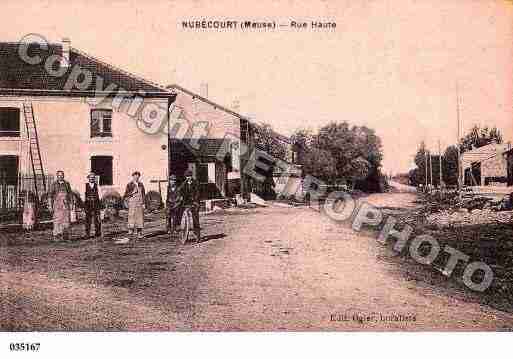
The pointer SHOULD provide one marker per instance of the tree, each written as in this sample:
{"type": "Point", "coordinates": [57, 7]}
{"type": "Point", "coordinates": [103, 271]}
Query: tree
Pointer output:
{"type": "Point", "coordinates": [422, 164]}
{"type": "Point", "coordinates": [301, 141]}
{"type": "Point", "coordinates": [358, 169]}
{"type": "Point", "coordinates": [427, 164]}
{"type": "Point", "coordinates": [340, 152]}
{"type": "Point", "coordinates": [319, 164]}
{"type": "Point", "coordinates": [356, 150]}
{"type": "Point", "coordinates": [479, 137]}
{"type": "Point", "coordinates": [450, 166]}
{"type": "Point", "coordinates": [267, 140]}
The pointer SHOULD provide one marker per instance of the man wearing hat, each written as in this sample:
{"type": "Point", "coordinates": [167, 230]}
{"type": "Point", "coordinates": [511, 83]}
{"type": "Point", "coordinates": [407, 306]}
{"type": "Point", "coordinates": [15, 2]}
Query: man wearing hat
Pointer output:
{"type": "Point", "coordinates": [92, 207]}
{"type": "Point", "coordinates": [173, 203]}
{"type": "Point", "coordinates": [191, 197]}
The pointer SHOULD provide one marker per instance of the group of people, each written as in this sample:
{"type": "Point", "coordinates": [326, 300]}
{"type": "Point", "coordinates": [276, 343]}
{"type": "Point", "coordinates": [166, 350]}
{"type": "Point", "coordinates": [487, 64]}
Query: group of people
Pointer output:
{"type": "Point", "coordinates": [178, 198]}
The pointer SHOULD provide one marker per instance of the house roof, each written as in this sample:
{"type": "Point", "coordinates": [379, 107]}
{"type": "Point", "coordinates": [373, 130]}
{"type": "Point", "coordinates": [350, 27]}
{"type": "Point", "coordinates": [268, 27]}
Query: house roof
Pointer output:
{"type": "Point", "coordinates": [277, 135]}
{"type": "Point", "coordinates": [484, 153]}
{"type": "Point", "coordinates": [206, 100]}
{"type": "Point", "coordinates": [207, 149]}
{"type": "Point", "coordinates": [20, 77]}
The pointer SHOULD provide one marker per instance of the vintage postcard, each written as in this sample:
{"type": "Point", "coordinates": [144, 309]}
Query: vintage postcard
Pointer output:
{"type": "Point", "coordinates": [170, 166]}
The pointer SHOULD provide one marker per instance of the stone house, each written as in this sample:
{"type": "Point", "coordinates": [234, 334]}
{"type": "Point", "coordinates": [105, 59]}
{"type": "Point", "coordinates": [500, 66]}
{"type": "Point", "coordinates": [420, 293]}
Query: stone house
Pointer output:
{"type": "Point", "coordinates": [62, 109]}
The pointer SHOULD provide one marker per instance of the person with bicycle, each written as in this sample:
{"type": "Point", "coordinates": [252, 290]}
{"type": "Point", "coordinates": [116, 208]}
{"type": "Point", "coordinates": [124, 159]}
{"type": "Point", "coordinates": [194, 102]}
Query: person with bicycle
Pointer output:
{"type": "Point", "coordinates": [189, 191]}
{"type": "Point", "coordinates": [173, 205]}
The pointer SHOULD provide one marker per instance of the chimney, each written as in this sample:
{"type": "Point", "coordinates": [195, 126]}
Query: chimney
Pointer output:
{"type": "Point", "coordinates": [66, 49]}
{"type": "Point", "coordinates": [204, 89]}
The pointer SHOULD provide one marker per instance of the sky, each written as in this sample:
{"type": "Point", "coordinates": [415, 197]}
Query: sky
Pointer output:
{"type": "Point", "coordinates": [391, 65]}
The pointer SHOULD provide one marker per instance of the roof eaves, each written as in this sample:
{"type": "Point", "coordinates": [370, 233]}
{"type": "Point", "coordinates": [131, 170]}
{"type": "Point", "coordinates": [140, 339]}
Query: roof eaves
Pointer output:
{"type": "Point", "coordinates": [220, 107]}
{"type": "Point", "coordinates": [80, 93]}
{"type": "Point", "coordinates": [180, 88]}
{"type": "Point", "coordinates": [124, 72]}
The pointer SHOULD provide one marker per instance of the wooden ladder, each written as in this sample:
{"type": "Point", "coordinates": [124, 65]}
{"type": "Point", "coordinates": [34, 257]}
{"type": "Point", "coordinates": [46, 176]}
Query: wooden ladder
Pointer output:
{"type": "Point", "coordinates": [34, 150]}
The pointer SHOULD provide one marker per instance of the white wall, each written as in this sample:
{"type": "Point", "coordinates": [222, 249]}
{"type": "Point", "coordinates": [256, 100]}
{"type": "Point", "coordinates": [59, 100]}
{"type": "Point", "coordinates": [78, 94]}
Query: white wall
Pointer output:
{"type": "Point", "coordinates": [220, 122]}
{"type": "Point", "coordinates": [63, 125]}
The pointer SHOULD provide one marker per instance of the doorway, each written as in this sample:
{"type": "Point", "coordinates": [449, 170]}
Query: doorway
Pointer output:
{"type": "Point", "coordinates": [8, 182]}
{"type": "Point", "coordinates": [102, 167]}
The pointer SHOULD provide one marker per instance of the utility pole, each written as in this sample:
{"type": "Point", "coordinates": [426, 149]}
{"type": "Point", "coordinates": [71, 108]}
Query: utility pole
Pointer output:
{"type": "Point", "coordinates": [426, 165]}
{"type": "Point", "coordinates": [440, 164]}
{"type": "Point", "coordinates": [460, 182]}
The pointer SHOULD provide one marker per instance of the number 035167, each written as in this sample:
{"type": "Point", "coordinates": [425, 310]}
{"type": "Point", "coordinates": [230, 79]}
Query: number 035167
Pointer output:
{"type": "Point", "coordinates": [24, 347]}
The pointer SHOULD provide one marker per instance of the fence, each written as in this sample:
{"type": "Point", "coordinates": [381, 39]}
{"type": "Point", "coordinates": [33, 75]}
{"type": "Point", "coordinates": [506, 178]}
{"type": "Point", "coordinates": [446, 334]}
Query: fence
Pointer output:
{"type": "Point", "coordinates": [12, 190]}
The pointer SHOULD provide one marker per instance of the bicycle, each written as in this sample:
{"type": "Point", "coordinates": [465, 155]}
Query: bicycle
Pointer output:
{"type": "Point", "coordinates": [186, 224]}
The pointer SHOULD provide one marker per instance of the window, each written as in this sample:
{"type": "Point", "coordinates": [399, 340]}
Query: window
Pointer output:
{"type": "Point", "coordinates": [9, 122]}
{"type": "Point", "coordinates": [202, 173]}
{"type": "Point", "coordinates": [102, 167]}
{"type": "Point", "coordinates": [101, 123]}
{"type": "Point", "coordinates": [9, 169]}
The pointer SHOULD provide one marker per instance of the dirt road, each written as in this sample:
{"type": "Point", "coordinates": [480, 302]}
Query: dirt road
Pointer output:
{"type": "Point", "coordinates": [270, 269]}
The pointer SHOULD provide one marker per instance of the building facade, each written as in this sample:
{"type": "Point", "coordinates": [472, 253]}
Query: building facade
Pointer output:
{"type": "Point", "coordinates": [62, 109]}
{"type": "Point", "coordinates": [216, 146]}
{"type": "Point", "coordinates": [72, 112]}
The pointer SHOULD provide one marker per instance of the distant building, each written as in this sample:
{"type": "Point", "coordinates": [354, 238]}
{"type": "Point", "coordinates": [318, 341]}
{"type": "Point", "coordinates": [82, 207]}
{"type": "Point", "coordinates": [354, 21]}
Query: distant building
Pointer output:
{"type": "Point", "coordinates": [490, 165]}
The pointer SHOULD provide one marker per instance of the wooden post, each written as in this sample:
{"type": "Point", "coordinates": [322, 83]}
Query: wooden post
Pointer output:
{"type": "Point", "coordinates": [426, 171]}
{"type": "Point", "coordinates": [158, 182]}
{"type": "Point", "coordinates": [169, 102]}
{"type": "Point", "coordinates": [430, 170]}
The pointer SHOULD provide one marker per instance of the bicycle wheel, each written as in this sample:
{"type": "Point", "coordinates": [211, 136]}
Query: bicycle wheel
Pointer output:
{"type": "Point", "coordinates": [190, 222]}
{"type": "Point", "coordinates": [171, 228]}
{"type": "Point", "coordinates": [185, 226]}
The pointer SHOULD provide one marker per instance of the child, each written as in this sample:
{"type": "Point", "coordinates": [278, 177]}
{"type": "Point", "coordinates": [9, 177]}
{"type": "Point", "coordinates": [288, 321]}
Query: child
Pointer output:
{"type": "Point", "coordinates": [29, 211]}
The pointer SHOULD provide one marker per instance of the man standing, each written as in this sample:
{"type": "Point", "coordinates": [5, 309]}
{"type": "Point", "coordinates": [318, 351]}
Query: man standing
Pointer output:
{"type": "Point", "coordinates": [190, 195]}
{"type": "Point", "coordinates": [61, 197]}
{"type": "Point", "coordinates": [92, 207]}
{"type": "Point", "coordinates": [173, 202]}
{"type": "Point", "coordinates": [134, 195]}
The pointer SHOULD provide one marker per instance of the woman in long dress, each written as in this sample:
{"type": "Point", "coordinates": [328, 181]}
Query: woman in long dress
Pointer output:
{"type": "Point", "coordinates": [29, 211]}
{"type": "Point", "coordinates": [134, 196]}
{"type": "Point", "coordinates": [61, 199]}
